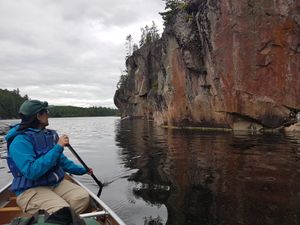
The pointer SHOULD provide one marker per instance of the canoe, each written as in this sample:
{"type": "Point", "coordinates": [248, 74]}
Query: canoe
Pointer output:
{"type": "Point", "coordinates": [97, 210]}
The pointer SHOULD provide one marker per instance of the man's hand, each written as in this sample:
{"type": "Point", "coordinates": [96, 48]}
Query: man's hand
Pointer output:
{"type": "Point", "coordinates": [63, 140]}
{"type": "Point", "coordinates": [90, 171]}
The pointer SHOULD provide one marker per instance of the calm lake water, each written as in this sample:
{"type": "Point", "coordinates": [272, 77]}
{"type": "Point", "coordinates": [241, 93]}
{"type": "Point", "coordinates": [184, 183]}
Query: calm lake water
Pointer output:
{"type": "Point", "coordinates": [186, 177]}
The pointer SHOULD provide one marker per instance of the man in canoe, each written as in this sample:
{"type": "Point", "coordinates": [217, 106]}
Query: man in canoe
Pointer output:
{"type": "Point", "coordinates": [38, 165]}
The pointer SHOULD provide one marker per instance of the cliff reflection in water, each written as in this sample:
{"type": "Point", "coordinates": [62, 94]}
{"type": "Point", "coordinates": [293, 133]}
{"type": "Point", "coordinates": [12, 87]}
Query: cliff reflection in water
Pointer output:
{"type": "Point", "coordinates": [213, 178]}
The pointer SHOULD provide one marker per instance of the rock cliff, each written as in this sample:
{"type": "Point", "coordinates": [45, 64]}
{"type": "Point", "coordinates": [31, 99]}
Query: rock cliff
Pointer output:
{"type": "Point", "coordinates": [222, 64]}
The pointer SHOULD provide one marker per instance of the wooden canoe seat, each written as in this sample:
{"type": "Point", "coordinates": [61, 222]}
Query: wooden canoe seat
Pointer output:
{"type": "Point", "coordinates": [11, 209]}
{"type": "Point", "coordinates": [12, 202]}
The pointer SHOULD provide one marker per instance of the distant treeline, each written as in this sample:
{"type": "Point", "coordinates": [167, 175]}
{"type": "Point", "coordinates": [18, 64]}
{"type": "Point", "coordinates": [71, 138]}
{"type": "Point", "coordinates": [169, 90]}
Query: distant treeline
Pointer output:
{"type": "Point", "coordinates": [10, 102]}
{"type": "Point", "coordinates": [72, 111]}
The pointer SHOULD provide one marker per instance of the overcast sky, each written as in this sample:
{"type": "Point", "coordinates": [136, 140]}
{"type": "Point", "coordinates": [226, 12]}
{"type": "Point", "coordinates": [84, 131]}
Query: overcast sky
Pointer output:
{"type": "Point", "coordinates": [69, 52]}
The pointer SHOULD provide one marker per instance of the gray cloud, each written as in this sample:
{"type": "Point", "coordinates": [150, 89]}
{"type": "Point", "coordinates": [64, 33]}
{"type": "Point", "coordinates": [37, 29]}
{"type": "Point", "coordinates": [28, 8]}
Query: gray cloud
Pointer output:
{"type": "Point", "coordinates": [69, 51]}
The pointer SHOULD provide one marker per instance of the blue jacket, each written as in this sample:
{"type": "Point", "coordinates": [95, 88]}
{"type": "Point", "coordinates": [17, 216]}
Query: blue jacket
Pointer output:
{"type": "Point", "coordinates": [33, 167]}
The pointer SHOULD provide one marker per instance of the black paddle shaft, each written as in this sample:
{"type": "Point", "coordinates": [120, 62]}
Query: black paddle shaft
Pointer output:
{"type": "Point", "coordinates": [87, 168]}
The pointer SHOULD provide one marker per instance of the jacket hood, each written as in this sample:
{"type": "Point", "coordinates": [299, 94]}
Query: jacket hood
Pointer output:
{"type": "Point", "coordinates": [12, 132]}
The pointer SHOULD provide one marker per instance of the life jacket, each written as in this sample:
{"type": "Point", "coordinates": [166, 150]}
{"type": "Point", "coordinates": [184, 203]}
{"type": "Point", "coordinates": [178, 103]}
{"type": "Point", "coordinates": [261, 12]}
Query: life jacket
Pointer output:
{"type": "Point", "coordinates": [42, 142]}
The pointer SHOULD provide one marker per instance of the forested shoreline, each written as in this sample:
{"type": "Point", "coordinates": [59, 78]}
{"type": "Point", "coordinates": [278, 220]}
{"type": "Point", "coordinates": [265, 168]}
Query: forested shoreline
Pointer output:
{"type": "Point", "coordinates": [73, 111]}
{"type": "Point", "coordinates": [10, 102]}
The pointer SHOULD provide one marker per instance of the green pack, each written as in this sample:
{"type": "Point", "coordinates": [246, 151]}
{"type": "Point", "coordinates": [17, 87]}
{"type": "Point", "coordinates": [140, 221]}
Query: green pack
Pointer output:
{"type": "Point", "coordinates": [41, 221]}
{"type": "Point", "coordinates": [64, 216]}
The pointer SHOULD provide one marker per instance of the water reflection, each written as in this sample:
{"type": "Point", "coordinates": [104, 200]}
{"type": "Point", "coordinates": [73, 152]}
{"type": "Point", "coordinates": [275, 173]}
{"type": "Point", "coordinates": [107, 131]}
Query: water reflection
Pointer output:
{"type": "Point", "coordinates": [213, 178]}
{"type": "Point", "coordinates": [197, 177]}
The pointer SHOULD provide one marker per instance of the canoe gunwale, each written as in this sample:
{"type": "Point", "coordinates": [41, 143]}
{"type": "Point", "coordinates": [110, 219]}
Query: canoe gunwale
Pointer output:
{"type": "Point", "coordinates": [106, 210]}
{"type": "Point", "coordinates": [2, 191]}
{"type": "Point", "coordinates": [5, 187]}
{"type": "Point", "coordinates": [100, 202]}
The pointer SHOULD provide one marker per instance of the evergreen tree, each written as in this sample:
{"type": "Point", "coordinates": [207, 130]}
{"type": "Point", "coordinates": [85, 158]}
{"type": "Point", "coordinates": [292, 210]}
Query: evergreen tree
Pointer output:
{"type": "Point", "coordinates": [171, 9]}
{"type": "Point", "coordinates": [149, 34]}
{"type": "Point", "coordinates": [123, 79]}
{"type": "Point", "coordinates": [143, 37]}
{"type": "Point", "coordinates": [128, 45]}
{"type": "Point", "coordinates": [72, 111]}
{"type": "Point", "coordinates": [154, 32]}
{"type": "Point", "coordinates": [10, 102]}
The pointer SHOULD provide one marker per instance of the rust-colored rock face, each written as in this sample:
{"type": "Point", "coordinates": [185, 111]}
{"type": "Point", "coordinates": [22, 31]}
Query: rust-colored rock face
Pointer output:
{"type": "Point", "coordinates": [254, 52]}
{"type": "Point", "coordinates": [227, 64]}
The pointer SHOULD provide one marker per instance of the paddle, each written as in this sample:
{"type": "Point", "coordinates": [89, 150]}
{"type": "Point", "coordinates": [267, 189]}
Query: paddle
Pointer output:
{"type": "Point", "coordinates": [87, 168]}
